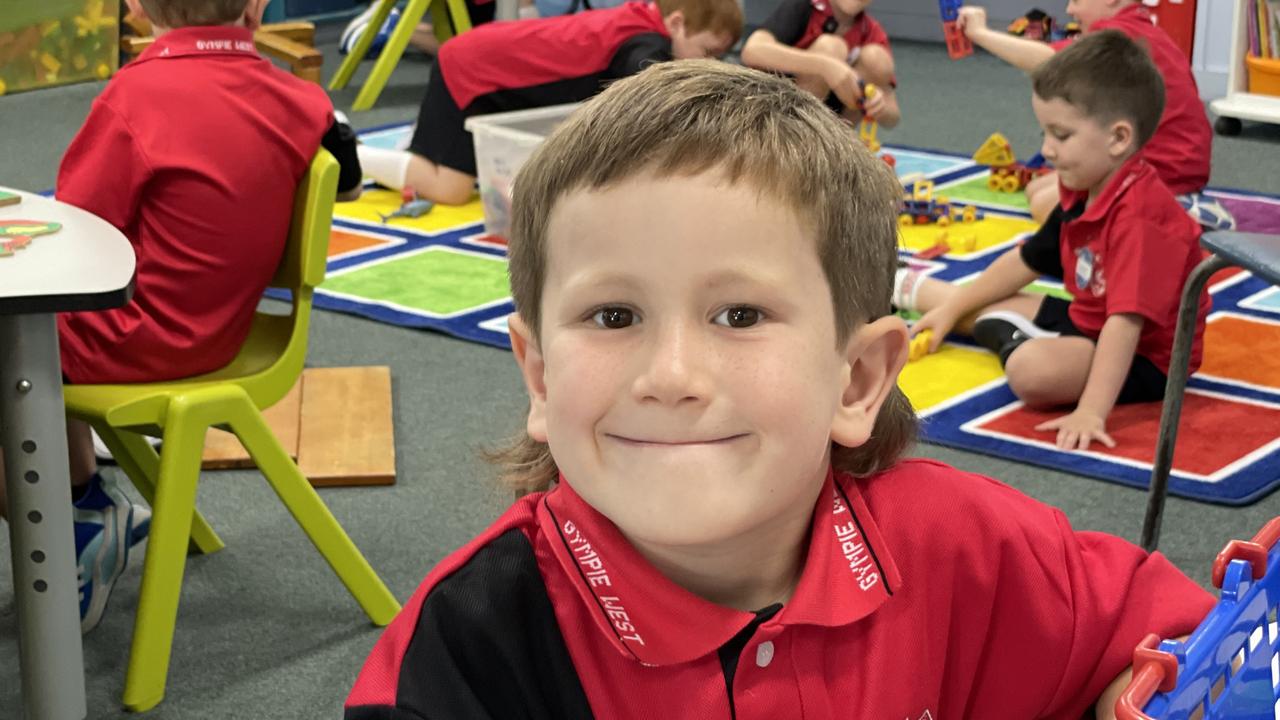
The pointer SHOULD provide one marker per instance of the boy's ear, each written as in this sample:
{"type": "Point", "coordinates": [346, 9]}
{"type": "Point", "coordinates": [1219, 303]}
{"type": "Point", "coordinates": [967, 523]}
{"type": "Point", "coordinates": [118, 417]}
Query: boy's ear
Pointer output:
{"type": "Point", "coordinates": [674, 23]}
{"type": "Point", "coordinates": [875, 354]}
{"type": "Point", "coordinates": [533, 369]}
{"type": "Point", "coordinates": [1122, 139]}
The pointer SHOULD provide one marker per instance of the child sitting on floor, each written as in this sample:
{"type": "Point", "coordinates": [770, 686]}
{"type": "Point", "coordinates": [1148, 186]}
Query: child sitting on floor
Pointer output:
{"type": "Point", "coordinates": [1118, 241]}
{"type": "Point", "coordinates": [702, 261]}
{"type": "Point", "coordinates": [834, 48]}
{"type": "Point", "coordinates": [1181, 147]}
{"type": "Point", "coordinates": [525, 64]}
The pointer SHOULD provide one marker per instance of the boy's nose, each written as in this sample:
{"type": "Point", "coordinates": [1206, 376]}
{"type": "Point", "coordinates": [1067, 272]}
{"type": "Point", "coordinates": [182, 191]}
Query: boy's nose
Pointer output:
{"type": "Point", "coordinates": [674, 369]}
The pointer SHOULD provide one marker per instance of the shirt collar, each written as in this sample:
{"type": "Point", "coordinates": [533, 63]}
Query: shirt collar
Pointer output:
{"type": "Point", "coordinates": [201, 40]}
{"type": "Point", "coordinates": [1136, 11]}
{"type": "Point", "coordinates": [1129, 172]}
{"type": "Point", "coordinates": [848, 574]}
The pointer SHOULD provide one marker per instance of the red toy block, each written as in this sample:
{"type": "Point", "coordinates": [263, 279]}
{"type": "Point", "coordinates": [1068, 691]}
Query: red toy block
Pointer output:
{"type": "Point", "coordinates": [958, 44]}
{"type": "Point", "coordinates": [938, 249]}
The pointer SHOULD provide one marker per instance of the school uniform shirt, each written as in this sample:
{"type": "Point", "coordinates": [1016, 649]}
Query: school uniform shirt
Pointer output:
{"type": "Point", "coordinates": [925, 592]}
{"type": "Point", "coordinates": [1181, 148]}
{"type": "Point", "coordinates": [799, 22]}
{"type": "Point", "coordinates": [1130, 251]}
{"type": "Point", "coordinates": [582, 50]}
{"type": "Point", "coordinates": [193, 151]}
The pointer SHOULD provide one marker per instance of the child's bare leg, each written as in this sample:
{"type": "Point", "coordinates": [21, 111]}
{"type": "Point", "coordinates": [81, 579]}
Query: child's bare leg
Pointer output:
{"type": "Point", "coordinates": [826, 45]}
{"type": "Point", "coordinates": [438, 183]}
{"type": "Point", "coordinates": [424, 38]}
{"type": "Point", "coordinates": [1049, 372]}
{"type": "Point", "coordinates": [1043, 198]}
{"type": "Point", "coordinates": [933, 293]}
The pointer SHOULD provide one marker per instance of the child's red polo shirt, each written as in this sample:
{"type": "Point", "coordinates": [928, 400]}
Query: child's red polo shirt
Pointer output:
{"type": "Point", "coordinates": [1181, 148]}
{"type": "Point", "coordinates": [925, 592]}
{"type": "Point", "coordinates": [1130, 251]}
{"type": "Point", "coordinates": [799, 22]}
{"type": "Point", "coordinates": [193, 151]}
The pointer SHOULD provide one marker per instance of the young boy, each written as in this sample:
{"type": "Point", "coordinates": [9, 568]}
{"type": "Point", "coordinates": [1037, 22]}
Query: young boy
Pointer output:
{"type": "Point", "coordinates": [1181, 148]}
{"type": "Point", "coordinates": [832, 48]}
{"type": "Point", "coordinates": [705, 333]}
{"type": "Point", "coordinates": [1119, 242]}
{"type": "Point", "coordinates": [193, 151]}
{"type": "Point", "coordinates": [507, 66]}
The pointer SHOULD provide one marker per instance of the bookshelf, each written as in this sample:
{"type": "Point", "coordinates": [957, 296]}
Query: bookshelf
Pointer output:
{"type": "Point", "coordinates": [1240, 104]}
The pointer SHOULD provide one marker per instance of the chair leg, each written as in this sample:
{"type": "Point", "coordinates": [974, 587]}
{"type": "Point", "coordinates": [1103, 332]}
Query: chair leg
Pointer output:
{"type": "Point", "coordinates": [349, 64]}
{"type": "Point", "coordinates": [174, 506]}
{"type": "Point", "coordinates": [1175, 390]}
{"type": "Point", "coordinates": [141, 463]}
{"type": "Point", "coordinates": [459, 16]}
{"type": "Point", "coordinates": [386, 62]}
{"type": "Point", "coordinates": [314, 517]}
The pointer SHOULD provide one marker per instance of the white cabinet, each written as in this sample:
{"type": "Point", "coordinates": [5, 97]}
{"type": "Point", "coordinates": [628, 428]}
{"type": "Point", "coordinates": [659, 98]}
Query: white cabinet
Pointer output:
{"type": "Point", "coordinates": [1239, 104]}
{"type": "Point", "coordinates": [1211, 59]}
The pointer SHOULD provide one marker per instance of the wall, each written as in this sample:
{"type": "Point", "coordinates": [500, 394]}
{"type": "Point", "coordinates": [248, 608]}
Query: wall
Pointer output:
{"type": "Point", "coordinates": [1211, 58]}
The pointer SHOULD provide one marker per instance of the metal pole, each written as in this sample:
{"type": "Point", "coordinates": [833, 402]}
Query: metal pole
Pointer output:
{"type": "Point", "coordinates": [33, 434]}
{"type": "Point", "coordinates": [1175, 388]}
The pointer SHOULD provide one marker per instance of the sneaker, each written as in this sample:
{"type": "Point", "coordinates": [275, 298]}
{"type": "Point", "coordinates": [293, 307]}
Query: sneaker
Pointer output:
{"type": "Point", "coordinates": [360, 23]}
{"type": "Point", "coordinates": [1002, 331]}
{"type": "Point", "coordinates": [103, 454]}
{"type": "Point", "coordinates": [103, 533]}
{"type": "Point", "coordinates": [1207, 211]}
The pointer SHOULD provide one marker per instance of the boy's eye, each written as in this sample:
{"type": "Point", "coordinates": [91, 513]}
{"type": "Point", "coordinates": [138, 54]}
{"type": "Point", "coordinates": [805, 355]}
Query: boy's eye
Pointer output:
{"type": "Point", "coordinates": [613, 318]}
{"type": "Point", "coordinates": [738, 317]}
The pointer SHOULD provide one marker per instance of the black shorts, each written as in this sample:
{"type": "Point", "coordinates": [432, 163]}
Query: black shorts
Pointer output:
{"type": "Point", "coordinates": [1145, 381]}
{"type": "Point", "coordinates": [440, 135]}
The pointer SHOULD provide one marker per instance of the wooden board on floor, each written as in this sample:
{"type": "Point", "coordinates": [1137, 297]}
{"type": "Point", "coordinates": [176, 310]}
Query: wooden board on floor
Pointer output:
{"type": "Point", "coordinates": [346, 433]}
{"type": "Point", "coordinates": [223, 451]}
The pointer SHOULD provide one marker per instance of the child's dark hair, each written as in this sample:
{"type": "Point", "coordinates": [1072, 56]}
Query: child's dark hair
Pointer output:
{"type": "Point", "coordinates": [689, 117]}
{"type": "Point", "coordinates": [1109, 77]}
{"type": "Point", "coordinates": [187, 13]}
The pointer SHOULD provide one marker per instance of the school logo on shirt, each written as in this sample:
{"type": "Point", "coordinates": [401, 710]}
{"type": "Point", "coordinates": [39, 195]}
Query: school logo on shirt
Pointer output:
{"type": "Point", "coordinates": [852, 546]}
{"type": "Point", "coordinates": [1089, 272]}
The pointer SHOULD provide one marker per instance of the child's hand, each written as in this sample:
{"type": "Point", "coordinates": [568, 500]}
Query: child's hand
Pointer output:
{"type": "Point", "coordinates": [972, 20]}
{"type": "Point", "coordinates": [873, 104]}
{"type": "Point", "coordinates": [939, 320]}
{"type": "Point", "coordinates": [1078, 429]}
{"type": "Point", "coordinates": [844, 82]}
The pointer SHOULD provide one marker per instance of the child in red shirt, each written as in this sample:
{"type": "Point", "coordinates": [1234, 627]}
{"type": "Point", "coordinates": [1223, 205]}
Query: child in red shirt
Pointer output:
{"type": "Point", "coordinates": [1119, 240]}
{"type": "Point", "coordinates": [704, 329]}
{"type": "Point", "coordinates": [193, 151]}
{"type": "Point", "coordinates": [1181, 148]}
{"type": "Point", "coordinates": [833, 48]}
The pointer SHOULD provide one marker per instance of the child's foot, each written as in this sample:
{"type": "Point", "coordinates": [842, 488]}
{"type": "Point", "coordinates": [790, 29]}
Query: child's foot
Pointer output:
{"type": "Point", "coordinates": [103, 453]}
{"type": "Point", "coordinates": [1002, 331]}
{"type": "Point", "coordinates": [360, 24]}
{"type": "Point", "coordinates": [103, 534]}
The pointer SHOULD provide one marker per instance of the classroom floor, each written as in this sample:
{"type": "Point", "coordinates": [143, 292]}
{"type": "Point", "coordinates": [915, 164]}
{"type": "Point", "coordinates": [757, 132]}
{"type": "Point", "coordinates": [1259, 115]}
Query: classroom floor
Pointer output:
{"type": "Point", "coordinates": [266, 631]}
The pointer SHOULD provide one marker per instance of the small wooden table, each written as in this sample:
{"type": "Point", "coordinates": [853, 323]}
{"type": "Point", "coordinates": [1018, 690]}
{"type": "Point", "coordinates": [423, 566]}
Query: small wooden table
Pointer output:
{"type": "Point", "coordinates": [87, 265]}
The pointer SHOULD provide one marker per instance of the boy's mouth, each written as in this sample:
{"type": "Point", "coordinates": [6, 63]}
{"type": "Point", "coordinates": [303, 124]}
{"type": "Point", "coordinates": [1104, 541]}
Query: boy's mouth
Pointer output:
{"type": "Point", "coordinates": [674, 442]}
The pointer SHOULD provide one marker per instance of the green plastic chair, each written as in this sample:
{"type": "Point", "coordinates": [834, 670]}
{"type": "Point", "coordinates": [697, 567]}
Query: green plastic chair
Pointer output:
{"type": "Point", "coordinates": [448, 17]}
{"type": "Point", "coordinates": [231, 398]}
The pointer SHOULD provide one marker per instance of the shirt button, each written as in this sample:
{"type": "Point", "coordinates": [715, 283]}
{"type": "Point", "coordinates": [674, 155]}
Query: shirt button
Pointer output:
{"type": "Point", "coordinates": [764, 654]}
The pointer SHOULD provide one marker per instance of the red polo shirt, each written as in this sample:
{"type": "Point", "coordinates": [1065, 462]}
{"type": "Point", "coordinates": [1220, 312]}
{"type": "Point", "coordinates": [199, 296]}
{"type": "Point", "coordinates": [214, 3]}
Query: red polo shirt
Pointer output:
{"type": "Point", "coordinates": [925, 591]}
{"type": "Point", "coordinates": [193, 151]}
{"type": "Point", "coordinates": [1130, 251]}
{"type": "Point", "coordinates": [528, 53]}
{"type": "Point", "coordinates": [1182, 146]}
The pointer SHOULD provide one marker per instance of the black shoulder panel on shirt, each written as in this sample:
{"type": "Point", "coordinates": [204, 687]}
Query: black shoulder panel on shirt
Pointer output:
{"type": "Point", "coordinates": [637, 53]}
{"type": "Point", "coordinates": [488, 645]}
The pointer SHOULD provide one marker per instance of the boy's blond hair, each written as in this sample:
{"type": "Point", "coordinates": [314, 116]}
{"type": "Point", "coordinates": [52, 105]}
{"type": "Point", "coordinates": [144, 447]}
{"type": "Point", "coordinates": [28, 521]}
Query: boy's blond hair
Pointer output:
{"type": "Point", "coordinates": [690, 117]}
{"type": "Point", "coordinates": [721, 17]}
{"type": "Point", "coordinates": [1108, 77]}
{"type": "Point", "coordinates": [187, 13]}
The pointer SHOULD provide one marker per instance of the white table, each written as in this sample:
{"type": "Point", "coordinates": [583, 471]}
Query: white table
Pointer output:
{"type": "Point", "coordinates": [87, 265]}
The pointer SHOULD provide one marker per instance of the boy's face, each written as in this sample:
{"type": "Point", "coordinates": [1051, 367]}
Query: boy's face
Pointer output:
{"type": "Point", "coordinates": [687, 379]}
{"type": "Point", "coordinates": [1084, 151]}
{"type": "Point", "coordinates": [1088, 12]}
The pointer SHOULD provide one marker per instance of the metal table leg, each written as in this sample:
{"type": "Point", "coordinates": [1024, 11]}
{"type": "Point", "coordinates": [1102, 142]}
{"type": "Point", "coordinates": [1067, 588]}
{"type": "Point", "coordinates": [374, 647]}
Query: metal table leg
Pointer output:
{"type": "Point", "coordinates": [1174, 390]}
{"type": "Point", "coordinates": [33, 434]}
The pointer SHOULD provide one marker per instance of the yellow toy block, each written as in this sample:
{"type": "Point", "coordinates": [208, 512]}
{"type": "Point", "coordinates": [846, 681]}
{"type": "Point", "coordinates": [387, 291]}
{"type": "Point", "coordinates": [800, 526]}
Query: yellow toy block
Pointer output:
{"type": "Point", "coordinates": [919, 346]}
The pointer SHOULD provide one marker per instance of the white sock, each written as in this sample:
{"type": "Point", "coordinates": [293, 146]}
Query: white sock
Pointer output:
{"type": "Point", "coordinates": [387, 167]}
{"type": "Point", "coordinates": [906, 286]}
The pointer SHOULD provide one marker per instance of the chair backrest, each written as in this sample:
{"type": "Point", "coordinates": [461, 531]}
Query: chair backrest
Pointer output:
{"type": "Point", "coordinates": [306, 251]}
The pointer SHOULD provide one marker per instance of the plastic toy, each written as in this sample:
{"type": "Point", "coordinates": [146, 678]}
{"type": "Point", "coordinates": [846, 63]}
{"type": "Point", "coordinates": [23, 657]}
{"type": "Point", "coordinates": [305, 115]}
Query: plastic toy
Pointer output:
{"type": "Point", "coordinates": [412, 207]}
{"type": "Point", "coordinates": [919, 346]}
{"type": "Point", "coordinates": [1035, 25]}
{"type": "Point", "coordinates": [958, 44]}
{"type": "Point", "coordinates": [1007, 174]}
{"type": "Point", "coordinates": [967, 243]}
{"type": "Point", "coordinates": [16, 234]}
{"type": "Point", "coordinates": [867, 126]}
{"type": "Point", "coordinates": [1223, 671]}
{"type": "Point", "coordinates": [920, 207]}
{"type": "Point", "coordinates": [8, 198]}
{"type": "Point", "coordinates": [937, 249]}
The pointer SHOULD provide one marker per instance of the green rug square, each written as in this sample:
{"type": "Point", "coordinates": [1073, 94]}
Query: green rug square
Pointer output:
{"type": "Point", "coordinates": [976, 191]}
{"type": "Point", "coordinates": [437, 281]}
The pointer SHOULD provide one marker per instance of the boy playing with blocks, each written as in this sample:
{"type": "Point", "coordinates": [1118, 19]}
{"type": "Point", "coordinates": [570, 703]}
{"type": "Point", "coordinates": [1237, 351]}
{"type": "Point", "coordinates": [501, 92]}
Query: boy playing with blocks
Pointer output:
{"type": "Point", "coordinates": [704, 330]}
{"type": "Point", "coordinates": [1119, 242]}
